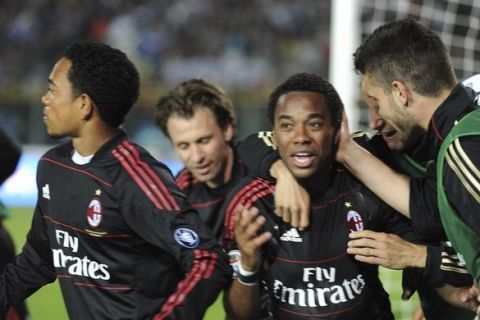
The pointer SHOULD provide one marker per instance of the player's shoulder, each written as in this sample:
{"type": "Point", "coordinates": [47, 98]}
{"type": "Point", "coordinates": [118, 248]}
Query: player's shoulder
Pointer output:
{"type": "Point", "coordinates": [185, 179]}
{"type": "Point", "coordinates": [251, 188]}
{"type": "Point", "coordinates": [60, 151]}
{"type": "Point", "coordinates": [133, 161]}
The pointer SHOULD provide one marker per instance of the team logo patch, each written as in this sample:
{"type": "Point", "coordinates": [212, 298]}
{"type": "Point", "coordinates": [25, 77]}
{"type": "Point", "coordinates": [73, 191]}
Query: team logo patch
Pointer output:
{"type": "Point", "coordinates": [354, 221]}
{"type": "Point", "coordinates": [186, 238]}
{"type": "Point", "coordinates": [234, 260]}
{"type": "Point", "coordinates": [94, 213]}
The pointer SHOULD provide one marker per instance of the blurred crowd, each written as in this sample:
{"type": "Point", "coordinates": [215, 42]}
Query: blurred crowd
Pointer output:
{"type": "Point", "coordinates": [245, 46]}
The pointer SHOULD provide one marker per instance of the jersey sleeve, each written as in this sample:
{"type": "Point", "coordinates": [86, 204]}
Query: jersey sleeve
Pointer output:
{"type": "Point", "coordinates": [423, 207]}
{"type": "Point", "coordinates": [444, 266]}
{"type": "Point", "coordinates": [258, 152]}
{"type": "Point", "coordinates": [30, 270]}
{"type": "Point", "coordinates": [462, 179]}
{"type": "Point", "coordinates": [162, 216]}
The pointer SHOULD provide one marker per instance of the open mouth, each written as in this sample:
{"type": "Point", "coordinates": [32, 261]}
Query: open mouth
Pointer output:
{"type": "Point", "coordinates": [303, 159]}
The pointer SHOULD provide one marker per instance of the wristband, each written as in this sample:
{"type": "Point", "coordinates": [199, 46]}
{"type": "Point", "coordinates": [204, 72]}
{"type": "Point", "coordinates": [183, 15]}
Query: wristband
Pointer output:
{"type": "Point", "coordinates": [247, 278]}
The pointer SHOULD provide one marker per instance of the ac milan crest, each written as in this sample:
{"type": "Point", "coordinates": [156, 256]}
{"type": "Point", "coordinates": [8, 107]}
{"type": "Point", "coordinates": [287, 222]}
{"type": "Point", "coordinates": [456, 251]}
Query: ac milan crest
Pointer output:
{"type": "Point", "coordinates": [354, 221]}
{"type": "Point", "coordinates": [94, 213]}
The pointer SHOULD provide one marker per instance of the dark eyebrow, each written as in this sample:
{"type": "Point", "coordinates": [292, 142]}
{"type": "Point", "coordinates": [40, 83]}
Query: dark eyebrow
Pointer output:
{"type": "Point", "coordinates": [317, 115]}
{"type": "Point", "coordinates": [282, 117]}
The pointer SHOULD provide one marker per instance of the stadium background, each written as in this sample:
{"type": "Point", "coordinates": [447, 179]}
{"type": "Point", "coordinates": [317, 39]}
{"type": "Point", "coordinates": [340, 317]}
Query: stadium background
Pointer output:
{"type": "Point", "coordinates": [248, 47]}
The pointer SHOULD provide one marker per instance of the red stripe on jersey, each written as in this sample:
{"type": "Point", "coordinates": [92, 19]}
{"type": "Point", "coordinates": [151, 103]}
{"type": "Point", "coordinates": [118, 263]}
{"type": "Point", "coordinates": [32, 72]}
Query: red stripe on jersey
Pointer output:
{"type": "Point", "coordinates": [211, 265]}
{"type": "Point", "coordinates": [77, 170]}
{"type": "Point", "coordinates": [206, 204]}
{"type": "Point", "coordinates": [97, 235]}
{"type": "Point", "coordinates": [203, 266]}
{"type": "Point", "coordinates": [184, 179]}
{"type": "Point", "coordinates": [148, 181]}
{"type": "Point", "coordinates": [246, 196]}
{"type": "Point", "coordinates": [159, 183]}
{"type": "Point", "coordinates": [137, 179]}
{"type": "Point", "coordinates": [93, 285]}
{"type": "Point", "coordinates": [330, 201]}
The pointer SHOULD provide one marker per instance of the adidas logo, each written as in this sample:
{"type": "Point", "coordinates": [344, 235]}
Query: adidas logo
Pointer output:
{"type": "Point", "coordinates": [291, 235]}
{"type": "Point", "coordinates": [46, 191]}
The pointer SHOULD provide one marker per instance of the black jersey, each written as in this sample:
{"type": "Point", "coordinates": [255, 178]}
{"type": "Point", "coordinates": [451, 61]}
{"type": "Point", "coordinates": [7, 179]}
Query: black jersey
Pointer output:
{"type": "Point", "coordinates": [309, 274]}
{"type": "Point", "coordinates": [443, 264]}
{"type": "Point", "coordinates": [208, 201]}
{"type": "Point", "coordinates": [120, 237]}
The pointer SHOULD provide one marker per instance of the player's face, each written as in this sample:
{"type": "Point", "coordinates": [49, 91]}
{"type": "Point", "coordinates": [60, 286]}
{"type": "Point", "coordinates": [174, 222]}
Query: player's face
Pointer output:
{"type": "Point", "coordinates": [389, 134]}
{"type": "Point", "coordinates": [394, 122]}
{"type": "Point", "coordinates": [304, 133]}
{"type": "Point", "coordinates": [202, 146]}
{"type": "Point", "coordinates": [61, 110]}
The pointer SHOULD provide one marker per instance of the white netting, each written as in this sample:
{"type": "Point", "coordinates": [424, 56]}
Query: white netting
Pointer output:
{"type": "Point", "coordinates": [457, 22]}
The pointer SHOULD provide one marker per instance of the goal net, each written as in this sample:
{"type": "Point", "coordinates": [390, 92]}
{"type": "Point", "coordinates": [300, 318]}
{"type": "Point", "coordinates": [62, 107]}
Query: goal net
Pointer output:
{"type": "Point", "coordinates": [457, 22]}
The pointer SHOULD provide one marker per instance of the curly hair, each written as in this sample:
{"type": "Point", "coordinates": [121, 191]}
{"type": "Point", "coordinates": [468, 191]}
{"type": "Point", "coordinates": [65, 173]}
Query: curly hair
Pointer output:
{"type": "Point", "coordinates": [405, 50]}
{"type": "Point", "coordinates": [308, 82]}
{"type": "Point", "coordinates": [189, 95]}
{"type": "Point", "coordinates": [107, 76]}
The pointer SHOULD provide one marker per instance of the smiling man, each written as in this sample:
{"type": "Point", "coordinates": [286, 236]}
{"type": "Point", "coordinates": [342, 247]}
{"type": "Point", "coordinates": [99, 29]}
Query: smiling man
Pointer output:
{"type": "Point", "coordinates": [307, 273]}
{"type": "Point", "coordinates": [407, 75]}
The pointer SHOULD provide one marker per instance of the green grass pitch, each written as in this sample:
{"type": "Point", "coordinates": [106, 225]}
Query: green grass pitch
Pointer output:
{"type": "Point", "coordinates": [47, 303]}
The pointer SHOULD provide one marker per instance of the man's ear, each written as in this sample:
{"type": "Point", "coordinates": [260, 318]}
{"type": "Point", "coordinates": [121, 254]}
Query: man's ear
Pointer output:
{"type": "Point", "coordinates": [228, 133]}
{"type": "Point", "coordinates": [87, 106]}
{"type": "Point", "coordinates": [401, 93]}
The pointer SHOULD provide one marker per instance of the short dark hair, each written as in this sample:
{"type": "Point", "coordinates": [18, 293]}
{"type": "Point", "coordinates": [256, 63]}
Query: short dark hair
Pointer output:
{"type": "Point", "coordinates": [308, 82]}
{"type": "Point", "coordinates": [406, 50]}
{"type": "Point", "coordinates": [189, 95]}
{"type": "Point", "coordinates": [107, 76]}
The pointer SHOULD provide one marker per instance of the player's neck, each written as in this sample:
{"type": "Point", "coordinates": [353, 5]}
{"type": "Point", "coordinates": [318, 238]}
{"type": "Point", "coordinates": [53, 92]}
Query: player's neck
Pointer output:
{"type": "Point", "coordinates": [318, 183]}
{"type": "Point", "coordinates": [89, 142]}
{"type": "Point", "coordinates": [428, 105]}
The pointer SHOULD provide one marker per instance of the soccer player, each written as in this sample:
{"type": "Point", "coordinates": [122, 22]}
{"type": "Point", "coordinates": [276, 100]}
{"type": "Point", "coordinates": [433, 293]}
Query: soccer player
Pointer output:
{"type": "Point", "coordinates": [198, 117]}
{"type": "Point", "coordinates": [384, 249]}
{"type": "Point", "coordinates": [9, 157]}
{"type": "Point", "coordinates": [308, 274]}
{"type": "Point", "coordinates": [110, 222]}
{"type": "Point", "coordinates": [407, 73]}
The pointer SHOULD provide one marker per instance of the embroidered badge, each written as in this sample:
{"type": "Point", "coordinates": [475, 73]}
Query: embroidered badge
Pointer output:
{"type": "Point", "coordinates": [94, 213]}
{"type": "Point", "coordinates": [354, 221]}
{"type": "Point", "coordinates": [186, 238]}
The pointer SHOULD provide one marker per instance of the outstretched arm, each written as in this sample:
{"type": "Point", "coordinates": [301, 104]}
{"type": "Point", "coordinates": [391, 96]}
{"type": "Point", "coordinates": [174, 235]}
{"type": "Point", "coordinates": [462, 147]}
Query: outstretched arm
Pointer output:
{"type": "Point", "coordinates": [392, 187]}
